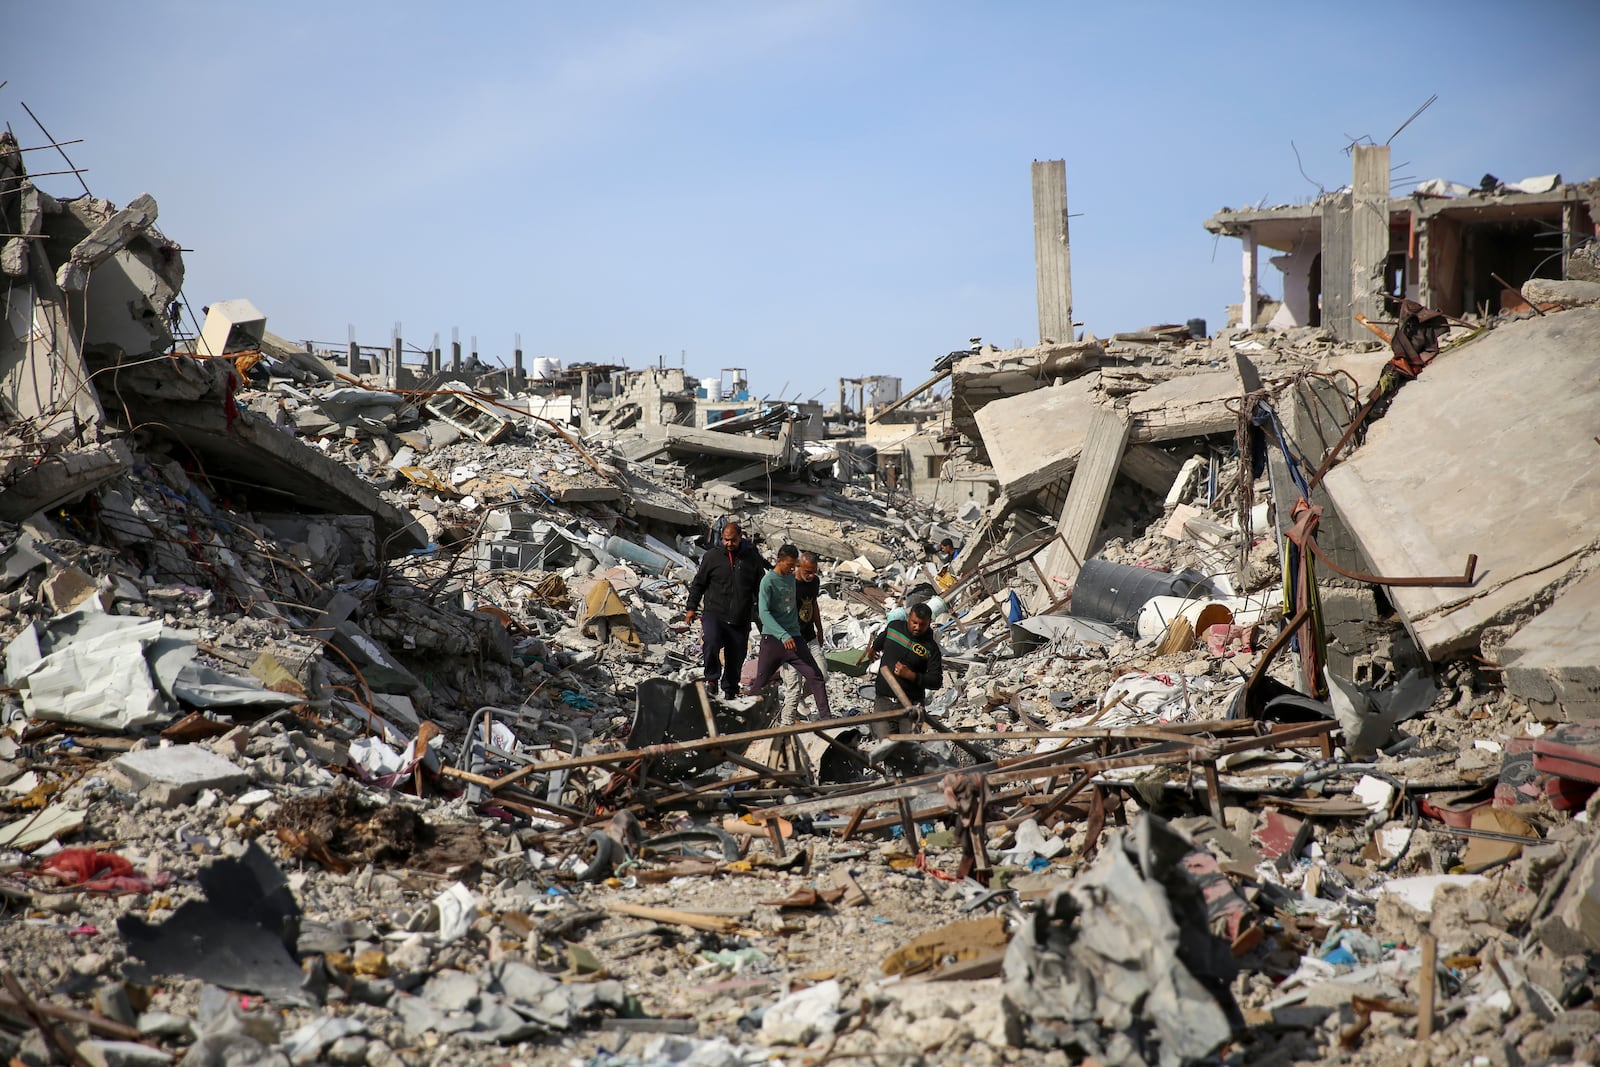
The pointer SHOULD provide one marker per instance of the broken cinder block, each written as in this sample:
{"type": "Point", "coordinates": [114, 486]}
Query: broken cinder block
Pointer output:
{"type": "Point", "coordinates": [173, 775]}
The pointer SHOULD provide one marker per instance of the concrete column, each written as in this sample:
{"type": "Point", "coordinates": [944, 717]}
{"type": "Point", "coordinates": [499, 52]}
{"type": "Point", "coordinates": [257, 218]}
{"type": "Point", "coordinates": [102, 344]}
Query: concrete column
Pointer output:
{"type": "Point", "coordinates": [435, 358]}
{"type": "Point", "coordinates": [455, 349]}
{"type": "Point", "coordinates": [1247, 309]}
{"type": "Point", "coordinates": [1088, 493]}
{"type": "Point", "coordinates": [1569, 233]}
{"type": "Point", "coordinates": [516, 360]}
{"type": "Point", "coordinates": [1425, 295]}
{"type": "Point", "coordinates": [1369, 231]}
{"type": "Point", "coordinates": [1336, 311]}
{"type": "Point", "coordinates": [1052, 257]}
{"type": "Point", "coordinates": [583, 404]}
{"type": "Point", "coordinates": [353, 353]}
{"type": "Point", "coordinates": [392, 372]}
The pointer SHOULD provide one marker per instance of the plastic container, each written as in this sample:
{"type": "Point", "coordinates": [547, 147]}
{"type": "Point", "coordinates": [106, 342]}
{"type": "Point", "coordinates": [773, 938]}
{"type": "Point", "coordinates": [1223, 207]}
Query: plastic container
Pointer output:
{"type": "Point", "coordinates": [1115, 592]}
{"type": "Point", "coordinates": [1158, 612]}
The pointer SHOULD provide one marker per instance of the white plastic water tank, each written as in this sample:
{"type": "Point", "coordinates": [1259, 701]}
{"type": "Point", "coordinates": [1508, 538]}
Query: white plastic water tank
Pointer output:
{"type": "Point", "coordinates": [545, 368]}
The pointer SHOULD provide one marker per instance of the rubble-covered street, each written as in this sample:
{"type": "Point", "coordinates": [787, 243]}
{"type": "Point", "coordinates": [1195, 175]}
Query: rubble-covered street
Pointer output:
{"type": "Point", "coordinates": [353, 711]}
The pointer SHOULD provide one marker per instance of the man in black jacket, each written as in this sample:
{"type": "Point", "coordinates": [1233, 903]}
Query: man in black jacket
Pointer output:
{"type": "Point", "coordinates": [727, 581]}
{"type": "Point", "coordinates": [911, 654]}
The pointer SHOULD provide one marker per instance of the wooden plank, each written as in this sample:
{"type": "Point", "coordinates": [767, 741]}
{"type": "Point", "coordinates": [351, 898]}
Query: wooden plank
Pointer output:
{"type": "Point", "coordinates": [725, 741]}
{"type": "Point", "coordinates": [676, 918]}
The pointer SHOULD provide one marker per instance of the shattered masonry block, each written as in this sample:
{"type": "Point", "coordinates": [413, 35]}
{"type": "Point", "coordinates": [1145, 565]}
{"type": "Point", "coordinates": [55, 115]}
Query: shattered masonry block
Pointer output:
{"type": "Point", "coordinates": [1573, 925]}
{"type": "Point", "coordinates": [172, 775]}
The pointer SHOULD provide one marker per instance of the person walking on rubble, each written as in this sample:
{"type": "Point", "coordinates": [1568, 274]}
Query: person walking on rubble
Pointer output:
{"type": "Point", "coordinates": [807, 590]}
{"type": "Point", "coordinates": [727, 581]}
{"type": "Point", "coordinates": [911, 654]}
{"type": "Point", "coordinates": [781, 640]}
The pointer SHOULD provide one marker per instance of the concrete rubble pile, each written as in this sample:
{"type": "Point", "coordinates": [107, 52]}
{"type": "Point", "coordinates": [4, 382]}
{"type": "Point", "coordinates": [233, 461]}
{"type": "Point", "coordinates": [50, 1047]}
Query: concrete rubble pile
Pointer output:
{"type": "Point", "coordinates": [354, 718]}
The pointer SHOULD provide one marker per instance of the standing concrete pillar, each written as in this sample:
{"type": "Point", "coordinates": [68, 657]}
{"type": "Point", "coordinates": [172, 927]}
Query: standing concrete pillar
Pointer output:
{"type": "Point", "coordinates": [353, 353]}
{"type": "Point", "coordinates": [583, 404]}
{"type": "Point", "coordinates": [1052, 256]}
{"type": "Point", "coordinates": [1247, 309]}
{"type": "Point", "coordinates": [455, 349]}
{"type": "Point", "coordinates": [391, 375]}
{"type": "Point", "coordinates": [1337, 314]}
{"type": "Point", "coordinates": [516, 361]}
{"type": "Point", "coordinates": [1369, 233]}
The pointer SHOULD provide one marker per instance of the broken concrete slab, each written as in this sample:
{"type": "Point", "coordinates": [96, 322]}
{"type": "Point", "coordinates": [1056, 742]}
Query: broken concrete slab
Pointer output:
{"type": "Point", "coordinates": [1507, 421]}
{"type": "Point", "coordinates": [375, 662]}
{"type": "Point", "coordinates": [1188, 405]}
{"type": "Point", "coordinates": [1553, 663]}
{"type": "Point", "coordinates": [646, 499]}
{"type": "Point", "coordinates": [1566, 293]}
{"type": "Point", "coordinates": [979, 379]}
{"type": "Point", "coordinates": [1572, 924]}
{"type": "Point", "coordinates": [174, 774]}
{"type": "Point", "coordinates": [1034, 440]}
{"type": "Point", "coordinates": [105, 240]}
{"type": "Point", "coordinates": [137, 272]}
{"type": "Point", "coordinates": [61, 477]}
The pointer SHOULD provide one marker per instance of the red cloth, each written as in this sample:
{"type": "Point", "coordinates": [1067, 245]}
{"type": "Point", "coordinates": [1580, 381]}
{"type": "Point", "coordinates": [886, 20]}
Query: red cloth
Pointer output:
{"type": "Point", "coordinates": [75, 866]}
{"type": "Point", "coordinates": [102, 872]}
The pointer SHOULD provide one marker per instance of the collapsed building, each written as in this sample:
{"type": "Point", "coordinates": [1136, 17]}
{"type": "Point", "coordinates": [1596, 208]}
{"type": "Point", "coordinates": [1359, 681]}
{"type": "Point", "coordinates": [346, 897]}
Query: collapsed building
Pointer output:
{"type": "Point", "coordinates": [1263, 732]}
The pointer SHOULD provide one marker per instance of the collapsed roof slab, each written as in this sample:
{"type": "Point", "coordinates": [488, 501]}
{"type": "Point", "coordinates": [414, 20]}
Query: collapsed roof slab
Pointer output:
{"type": "Point", "coordinates": [1490, 452]}
{"type": "Point", "coordinates": [691, 441]}
{"type": "Point", "coordinates": [1553, 663]}
{"type": "Point", "coordinates": [186, 401]}
{"type": "Point", "coordinates": [27, 488]}
{"type": "Point", "coordinates": [648, 500]}
{"type": "Point", "coordinates": [992, 375]}
{"type": "Point", "coordinates": [1034, 439]}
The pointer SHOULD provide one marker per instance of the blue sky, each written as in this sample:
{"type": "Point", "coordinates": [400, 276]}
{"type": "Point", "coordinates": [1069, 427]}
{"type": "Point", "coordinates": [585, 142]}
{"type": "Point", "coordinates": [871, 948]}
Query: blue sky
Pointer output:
{"type": "Point", "coordinates": [807, 190]}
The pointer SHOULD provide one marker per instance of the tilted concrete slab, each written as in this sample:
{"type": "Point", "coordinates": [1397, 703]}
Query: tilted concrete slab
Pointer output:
{"type": "Point", "coordinates": [1491, 451]}
{"type": "Point", "coordinates": [990, 375]}
{"type": "Point", "coordinates": [1034, 440]}
{"type": "Point", "coordinates": [1553, 663]}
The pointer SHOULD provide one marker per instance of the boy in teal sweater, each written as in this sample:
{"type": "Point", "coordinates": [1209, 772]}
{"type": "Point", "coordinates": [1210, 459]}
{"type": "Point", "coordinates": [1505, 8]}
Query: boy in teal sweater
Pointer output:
{"type": "Point", "coordinates": [781, 638]}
